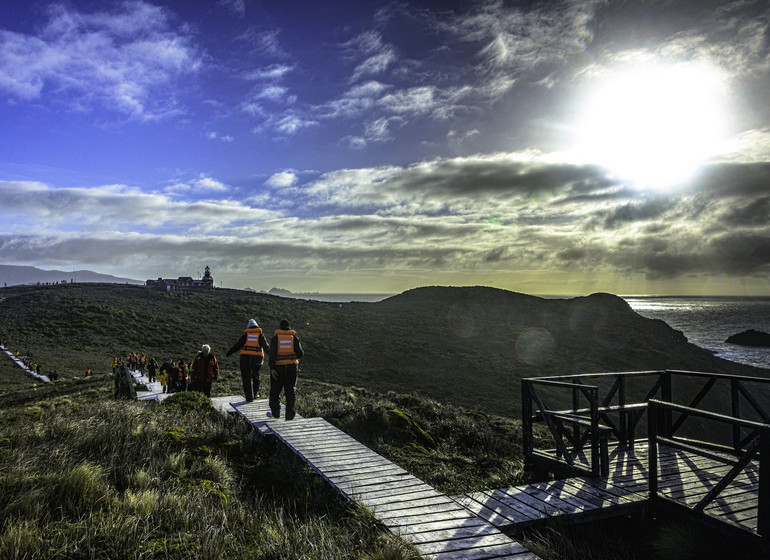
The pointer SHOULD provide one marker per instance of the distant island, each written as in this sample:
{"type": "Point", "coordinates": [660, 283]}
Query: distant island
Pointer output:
{"type": "Point", "coordinates": [12, 275]}
{"type": "Point", "coordinates": [750, 338]}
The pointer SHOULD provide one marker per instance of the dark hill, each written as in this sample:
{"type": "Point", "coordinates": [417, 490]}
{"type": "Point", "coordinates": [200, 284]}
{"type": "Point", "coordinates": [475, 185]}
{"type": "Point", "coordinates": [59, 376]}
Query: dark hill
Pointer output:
{"type": "Point", "coordinates": [469, 346]}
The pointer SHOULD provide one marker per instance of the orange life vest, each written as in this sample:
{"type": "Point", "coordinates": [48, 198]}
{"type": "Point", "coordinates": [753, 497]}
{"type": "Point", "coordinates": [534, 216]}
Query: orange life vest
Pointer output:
{"type": "Point", "coordinates": [183, 372]}
{"type": "Point", "coordinates": [285, 354]}
{"type": "Point", "coordinates": [252, 347]}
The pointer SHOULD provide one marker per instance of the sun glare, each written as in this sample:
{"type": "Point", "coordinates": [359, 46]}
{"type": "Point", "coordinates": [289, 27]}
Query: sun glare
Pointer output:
{"type": "Point", "coordinates": [654, 125]}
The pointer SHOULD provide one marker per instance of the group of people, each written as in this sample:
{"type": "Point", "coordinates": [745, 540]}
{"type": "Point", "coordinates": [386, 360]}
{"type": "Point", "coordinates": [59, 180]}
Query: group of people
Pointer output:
{"type": "Point", "coordinates": [284, 352]}
{"type": "Point", "coordinates": [31, 365]}
{"type": "Point", "coordinates": [176, 377]}
{"type": "Point", "coordinates": [133, 361]}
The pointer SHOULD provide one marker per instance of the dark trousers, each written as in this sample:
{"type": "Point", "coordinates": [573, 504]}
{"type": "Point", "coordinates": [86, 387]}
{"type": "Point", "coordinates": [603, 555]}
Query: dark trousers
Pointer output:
{"type": "Point", "coordinates": [287, 379]}
{"type": "Point", "coordinates": [201, 387]}
{"type": "Point", "coordinates": [250, 375]}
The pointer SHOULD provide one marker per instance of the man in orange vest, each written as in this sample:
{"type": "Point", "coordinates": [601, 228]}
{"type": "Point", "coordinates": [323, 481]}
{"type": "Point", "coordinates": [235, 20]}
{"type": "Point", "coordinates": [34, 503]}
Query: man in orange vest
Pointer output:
{"type": "Point", "coordinates": [252, 346]}
{"type": "Point", "coordinates": [285, 353]}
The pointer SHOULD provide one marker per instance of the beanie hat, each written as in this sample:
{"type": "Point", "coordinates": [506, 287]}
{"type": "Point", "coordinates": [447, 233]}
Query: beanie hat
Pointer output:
{"type": "Point", "coordinates": [252, 324]}
{"type": "Point", "coordinates": [285, 325]}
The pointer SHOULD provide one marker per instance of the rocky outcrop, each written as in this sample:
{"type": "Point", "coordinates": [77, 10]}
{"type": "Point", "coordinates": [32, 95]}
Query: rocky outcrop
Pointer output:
{"type": "Point", "coordinates": [750, 338]}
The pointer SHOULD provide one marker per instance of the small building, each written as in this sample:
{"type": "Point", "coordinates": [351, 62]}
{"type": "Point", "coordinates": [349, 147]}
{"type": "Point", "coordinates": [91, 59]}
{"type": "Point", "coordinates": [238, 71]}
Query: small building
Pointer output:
{"type": "Point", "coordinates": [183, 283]}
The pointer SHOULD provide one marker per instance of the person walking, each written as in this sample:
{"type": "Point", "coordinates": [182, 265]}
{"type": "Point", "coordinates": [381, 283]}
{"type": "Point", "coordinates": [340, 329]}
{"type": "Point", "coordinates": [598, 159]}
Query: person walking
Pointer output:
{"type": "Point", "coordinates": [252, 346]}
{"type": "Point", "coordinates": [152, 370]}
{"type": "Point", "coordinates": [285, 353]}
{"type": "Point", "coordinates": [182, 377]}
{"type": "Point", "coordinates": [204, 371]}
{"type": "Point", "coordinates": [166, 376]}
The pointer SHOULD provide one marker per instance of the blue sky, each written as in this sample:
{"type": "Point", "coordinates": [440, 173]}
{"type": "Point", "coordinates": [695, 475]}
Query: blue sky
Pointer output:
{"type": "Point", "coordinates": [562, 147]}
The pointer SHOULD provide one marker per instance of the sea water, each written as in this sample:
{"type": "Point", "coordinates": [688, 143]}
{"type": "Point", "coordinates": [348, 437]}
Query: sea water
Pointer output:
{"type": "Point", "coordinates": [709, 321]}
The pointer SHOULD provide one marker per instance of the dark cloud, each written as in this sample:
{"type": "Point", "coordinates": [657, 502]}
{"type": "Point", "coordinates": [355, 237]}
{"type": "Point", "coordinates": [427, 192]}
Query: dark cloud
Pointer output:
{"type": "Point", "coordinates": [734, 179]}
{"type": "Point", "coordinates": [634, 212]}
{"type": "Point", "coordinates": [754, 214]}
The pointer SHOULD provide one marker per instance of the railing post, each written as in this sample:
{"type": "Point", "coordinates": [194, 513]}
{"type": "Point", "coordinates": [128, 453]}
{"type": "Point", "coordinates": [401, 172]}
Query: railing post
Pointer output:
{"type": "Point", "coordinates": [735, 410]}
{"type": "Point", "coordinates": [667, 395]}
{"type": "Point", "coordinates": [622, 416]}
{"type": "Point", "coordinates": [652, 449]}
{"type": "Point", "coordinates": [575, 407]}
{"type": "Point", "coordinates": [526, 418]}
{"type": "Point", "coordinates": [595, 450]}
{"type": "Point", "coordinates": [763, 501]}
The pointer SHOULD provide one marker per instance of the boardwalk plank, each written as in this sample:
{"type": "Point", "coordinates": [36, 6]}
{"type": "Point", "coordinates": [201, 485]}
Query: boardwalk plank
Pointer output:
{"type": "Point", "coordinates": [477, 542]}
{"type": "Point", "coordinates": [514, 551]}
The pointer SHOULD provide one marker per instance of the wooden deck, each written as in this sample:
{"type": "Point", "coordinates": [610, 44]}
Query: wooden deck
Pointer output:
{"type": "Point", "coordinates": [684, 477]}
{"type": "Point", "coordinates": [438, 526]}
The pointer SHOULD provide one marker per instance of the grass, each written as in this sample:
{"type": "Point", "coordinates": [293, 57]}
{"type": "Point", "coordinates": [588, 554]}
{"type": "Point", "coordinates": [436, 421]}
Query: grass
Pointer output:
{"type": "Point", "coordinates": [82, 476]}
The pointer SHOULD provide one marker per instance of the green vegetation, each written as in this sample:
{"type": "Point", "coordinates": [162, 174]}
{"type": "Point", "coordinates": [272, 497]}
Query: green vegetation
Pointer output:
{"type": "Point", "coordinates": [82, 476]}
{"type": "Point", "coordinates": [461, 346]}
{"type": "Point", "coordinates": [429, 379]}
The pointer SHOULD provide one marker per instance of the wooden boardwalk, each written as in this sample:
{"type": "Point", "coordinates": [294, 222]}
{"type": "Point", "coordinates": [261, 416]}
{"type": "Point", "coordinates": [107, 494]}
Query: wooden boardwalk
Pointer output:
{"type": "Point", "coordinates": [684, 476]}
{"type": "Point", "coordinates": [438, 526]}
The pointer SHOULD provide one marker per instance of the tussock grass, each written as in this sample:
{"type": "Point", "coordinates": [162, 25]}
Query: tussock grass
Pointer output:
{"type": "Point", "coordinates": [88, 477]}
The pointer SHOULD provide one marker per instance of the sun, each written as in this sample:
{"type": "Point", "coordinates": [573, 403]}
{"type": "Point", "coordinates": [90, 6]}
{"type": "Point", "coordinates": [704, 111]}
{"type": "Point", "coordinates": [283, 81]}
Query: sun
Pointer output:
{"type": "Point", "coordinates": [654, 125]}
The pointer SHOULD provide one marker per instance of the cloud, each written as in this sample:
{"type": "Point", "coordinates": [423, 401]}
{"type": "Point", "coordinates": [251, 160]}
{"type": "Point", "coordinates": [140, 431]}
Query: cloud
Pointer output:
{"type": "Point", "coordinates": [220, 137]}
{"type": "Point", "coordinates": [121, 207]}
{"type": "Point", "coordinates": [127, 61]}
{"type": "Point", "coordinates": [511, 38]}
{"type": "Point", "coordinates": [375, 64]}
{"type": "Point", "coordinates": [292, 123]}
{"type": "Point", "coordinates": [282, 179]}
{"type": "Point", "coordinates": [272, 72]}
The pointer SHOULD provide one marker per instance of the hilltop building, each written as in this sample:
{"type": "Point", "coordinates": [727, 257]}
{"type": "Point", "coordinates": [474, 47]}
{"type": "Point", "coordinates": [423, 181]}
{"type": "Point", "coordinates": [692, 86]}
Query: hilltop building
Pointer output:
{"type": "Point", "coordinates": [183, 283]}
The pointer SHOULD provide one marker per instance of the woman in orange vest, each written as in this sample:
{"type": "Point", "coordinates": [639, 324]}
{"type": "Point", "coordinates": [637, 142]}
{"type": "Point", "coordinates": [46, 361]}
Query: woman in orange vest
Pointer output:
{"type": "Point", "coordinates": [285, 353]}
{"type": "Point", "coordinates": [252, 346]}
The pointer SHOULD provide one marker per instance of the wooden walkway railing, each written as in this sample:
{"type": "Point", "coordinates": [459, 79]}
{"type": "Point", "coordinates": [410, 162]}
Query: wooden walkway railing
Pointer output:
{"type": "Point", "coordinates": [717, 435]}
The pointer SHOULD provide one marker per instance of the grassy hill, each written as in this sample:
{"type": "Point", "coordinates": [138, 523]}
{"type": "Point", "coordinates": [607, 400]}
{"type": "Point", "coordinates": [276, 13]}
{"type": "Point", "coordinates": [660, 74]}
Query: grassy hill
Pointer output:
{"type": "Point", "coordinates": [429, 379]}
{"type": "Point", "coordinates": [464, 346]}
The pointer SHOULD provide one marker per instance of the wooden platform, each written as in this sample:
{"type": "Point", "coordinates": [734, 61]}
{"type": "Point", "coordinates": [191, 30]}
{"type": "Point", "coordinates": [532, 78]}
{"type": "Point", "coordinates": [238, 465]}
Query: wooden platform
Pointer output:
{"type": "Point", "coordinates": [684, 477]}
{"type": "Point", "coordinates": [436, 525]}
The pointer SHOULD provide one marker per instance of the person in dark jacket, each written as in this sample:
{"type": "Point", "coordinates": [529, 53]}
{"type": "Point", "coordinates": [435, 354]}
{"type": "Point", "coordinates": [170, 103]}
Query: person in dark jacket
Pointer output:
{"type": "Point", "coordinates": [285, 353]}
{"type": "Point", "coordinates": [152, 369]}
{"type": "Point", "coordinates": [204, 371]}
{"type": "Point", "coordinates": [252, 346]}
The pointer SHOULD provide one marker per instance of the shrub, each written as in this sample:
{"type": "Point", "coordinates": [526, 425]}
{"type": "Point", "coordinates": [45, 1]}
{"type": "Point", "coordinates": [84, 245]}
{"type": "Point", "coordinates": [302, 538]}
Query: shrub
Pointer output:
{"type": "Point", "coordinates": [188, 401]}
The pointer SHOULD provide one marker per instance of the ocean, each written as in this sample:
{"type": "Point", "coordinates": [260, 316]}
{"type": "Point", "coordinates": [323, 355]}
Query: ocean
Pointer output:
{"type": "Point", "coordinates": [705, 321]}
{"type": "Point", "coordinates": [708, 321]}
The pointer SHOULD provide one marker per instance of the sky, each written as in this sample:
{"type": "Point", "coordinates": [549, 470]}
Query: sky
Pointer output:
{"type": "Point", "coordinates": [550, 147]}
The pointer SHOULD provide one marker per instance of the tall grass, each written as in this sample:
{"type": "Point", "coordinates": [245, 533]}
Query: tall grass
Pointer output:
{"type": "Point", "coordinates": [93, 478]}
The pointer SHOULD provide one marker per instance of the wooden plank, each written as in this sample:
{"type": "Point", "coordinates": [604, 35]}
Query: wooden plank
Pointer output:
{"type": "Point", "coordinates": [414, 535]}
{"type": "Point", "coordinates": [363, 490]}
{"type": "Point", "coordinates": [369, 493]}
{"type": "Point", "coordinates": [365, 469]}
{"type": "Point", "coordinates": [430, 522]}
{"type": "Point", "coordinates": [408, 511]}
{"type": "Point", "coordinates": [428, 501]}
{"type": "Point", "coordinates": [469, 543]}
{"type": "Point", "coordinates": [499, 515]}
{"type": "Point", "coordinates": [522, 504]}
{"type": "Point", "coordinates": [361, 482]}
{"type": "Point", "coordinates": [512, 551]}
{"type": "Point", "coordinates": [405, 493]}
{"type": "Point", "coordinates": [425, 518]}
